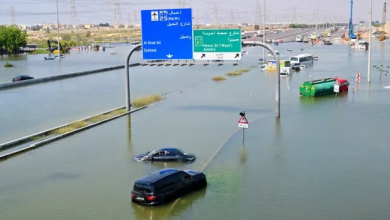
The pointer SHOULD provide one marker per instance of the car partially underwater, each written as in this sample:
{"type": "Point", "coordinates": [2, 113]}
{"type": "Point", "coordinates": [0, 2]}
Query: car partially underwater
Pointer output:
{"type": "Point", "coordinates": [166, 155]}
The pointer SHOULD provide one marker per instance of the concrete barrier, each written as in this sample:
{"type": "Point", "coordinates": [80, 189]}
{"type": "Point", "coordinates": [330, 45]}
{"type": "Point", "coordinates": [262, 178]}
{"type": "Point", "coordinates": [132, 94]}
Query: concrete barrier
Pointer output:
{"type": "Point", "coordinates": [27, 138]}
{"type": "Point", "coordinates": [59, 77]}
{"type": "Point", "coordinates": [46, 141]}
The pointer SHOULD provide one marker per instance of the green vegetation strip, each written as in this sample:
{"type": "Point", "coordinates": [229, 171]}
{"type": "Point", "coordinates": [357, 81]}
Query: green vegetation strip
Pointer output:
{"type": "Point", "coordinates": [219, 78]}
{"type": "Point", "coordinates": [146, 100]}
{"type": "Point", "coordinates": [238, 72]}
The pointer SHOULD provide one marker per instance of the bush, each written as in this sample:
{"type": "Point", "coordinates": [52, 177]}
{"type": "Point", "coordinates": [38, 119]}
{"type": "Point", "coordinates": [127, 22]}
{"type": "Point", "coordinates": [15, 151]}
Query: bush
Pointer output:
{"type": "Point", "coordinates": [8, 65]}
{"type": "Point", "coordinates": [234, 73]}
{"type": "Point", "coordinates": [219, 78]}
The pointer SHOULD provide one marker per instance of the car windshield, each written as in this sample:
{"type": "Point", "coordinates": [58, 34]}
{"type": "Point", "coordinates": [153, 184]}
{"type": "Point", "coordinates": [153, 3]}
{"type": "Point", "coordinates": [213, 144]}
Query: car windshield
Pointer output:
{"type": "Point", "coordinates": [183, 152]}
{"type": "Point", "coordinates": [150, 153]}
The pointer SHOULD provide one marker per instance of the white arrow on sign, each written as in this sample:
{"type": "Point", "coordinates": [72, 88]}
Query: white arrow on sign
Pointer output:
{"type": "Point", "coordinates": [169, 56]}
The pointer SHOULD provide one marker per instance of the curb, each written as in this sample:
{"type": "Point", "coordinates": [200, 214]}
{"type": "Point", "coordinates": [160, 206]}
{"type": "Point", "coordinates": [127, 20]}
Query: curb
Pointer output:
{"type": "Point", "coordinates": [41, 143]}
{"type": "Point", "coordinates": [59, 77]}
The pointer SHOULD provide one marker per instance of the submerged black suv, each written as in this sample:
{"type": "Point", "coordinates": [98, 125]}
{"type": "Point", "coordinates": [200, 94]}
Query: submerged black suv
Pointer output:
{"type": "Point", "coordinates": [166, 185]}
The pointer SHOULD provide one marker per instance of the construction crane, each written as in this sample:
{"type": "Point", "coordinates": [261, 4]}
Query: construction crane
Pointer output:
{"type": "Point", "coordinates": [383, 36]}
{"type": "Point", "coordinates": [351, 34]}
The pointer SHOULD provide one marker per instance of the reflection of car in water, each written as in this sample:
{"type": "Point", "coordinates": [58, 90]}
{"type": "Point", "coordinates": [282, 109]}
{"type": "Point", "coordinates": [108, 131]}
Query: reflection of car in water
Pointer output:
{"type": "Point", "coordinates": [166, 185]}
{"type": "Point", "coordinates": [166, 155]}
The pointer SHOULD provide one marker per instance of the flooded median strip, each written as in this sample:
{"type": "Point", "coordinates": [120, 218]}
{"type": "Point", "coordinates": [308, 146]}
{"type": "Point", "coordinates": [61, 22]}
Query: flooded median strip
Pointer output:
{"type": "Point", "coordinates": [60, 132]}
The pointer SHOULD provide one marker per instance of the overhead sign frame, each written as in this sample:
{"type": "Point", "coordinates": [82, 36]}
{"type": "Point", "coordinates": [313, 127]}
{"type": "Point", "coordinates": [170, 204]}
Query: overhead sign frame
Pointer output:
{"type": "Point", "coordinates": [166, 34]}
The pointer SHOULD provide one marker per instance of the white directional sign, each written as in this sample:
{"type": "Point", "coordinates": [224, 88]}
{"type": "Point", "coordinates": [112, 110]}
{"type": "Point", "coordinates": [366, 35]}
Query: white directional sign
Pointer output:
{"type": "Point", "coordinates": [243, 122]}
{"type": "Point", "coordinates": [336, 88]}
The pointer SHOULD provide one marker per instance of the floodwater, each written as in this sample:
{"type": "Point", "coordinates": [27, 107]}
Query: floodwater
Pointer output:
{"type": "Point", "coordinates": [326, 158]}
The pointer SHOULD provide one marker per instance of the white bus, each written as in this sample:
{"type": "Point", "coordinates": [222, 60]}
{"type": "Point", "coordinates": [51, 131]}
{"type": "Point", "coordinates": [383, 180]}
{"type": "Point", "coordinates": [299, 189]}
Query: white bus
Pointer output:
{"type": "Point", "coordinates": [302, 59]}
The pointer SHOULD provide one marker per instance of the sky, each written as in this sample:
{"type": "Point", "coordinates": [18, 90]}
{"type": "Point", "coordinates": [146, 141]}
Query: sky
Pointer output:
{"type": "Point", "coordinates": [211, 11]}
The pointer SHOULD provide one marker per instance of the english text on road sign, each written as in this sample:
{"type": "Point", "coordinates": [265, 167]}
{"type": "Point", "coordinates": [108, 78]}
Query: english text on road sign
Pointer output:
{"type": "Point", "coordinates": [242, 125]}
{"type": "Point", "coordinates": [357, 77]}
{"type": "Point", "coordinates": [167, 34]}
{"type": "Point", "coordinates": [217, 44]}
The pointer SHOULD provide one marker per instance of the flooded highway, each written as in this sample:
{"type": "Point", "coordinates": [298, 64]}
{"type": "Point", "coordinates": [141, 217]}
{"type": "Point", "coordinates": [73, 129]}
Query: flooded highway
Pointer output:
{"type": "Point", "coordinates": [326, 158]}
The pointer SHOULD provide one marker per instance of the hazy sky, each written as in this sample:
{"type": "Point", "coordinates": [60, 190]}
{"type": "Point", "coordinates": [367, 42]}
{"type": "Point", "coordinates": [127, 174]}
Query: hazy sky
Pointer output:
{"type": "Point", "coordinates": [99, 11]}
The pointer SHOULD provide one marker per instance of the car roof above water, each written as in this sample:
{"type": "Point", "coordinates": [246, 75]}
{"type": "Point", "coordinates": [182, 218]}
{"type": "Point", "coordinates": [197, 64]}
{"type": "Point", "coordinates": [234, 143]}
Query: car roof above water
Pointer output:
{"type": "Point", "coordinates": [156, 176]}
{"type": "Point", "coordinates": [170, 149]}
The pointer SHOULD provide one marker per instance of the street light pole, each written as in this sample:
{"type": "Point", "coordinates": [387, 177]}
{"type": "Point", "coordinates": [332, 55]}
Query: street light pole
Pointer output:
{"type": "Point", "coordinates": [369, 44]}
{"type": "Point", "coordinates": [128, 104]}
{"type": "Point", "coordinates": [263, 30]}
{"type": "Point", "coordinates": [58, 35]}
{"type": "Point", "coordinates": [277, 60]}
{"type": "Point", "coordinates": [317, 20]}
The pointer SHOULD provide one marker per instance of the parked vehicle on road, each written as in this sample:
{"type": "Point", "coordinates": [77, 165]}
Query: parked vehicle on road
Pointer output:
{"type": "Point", "coordinates": [166, 185]}
{"type": "Point", "coordinates": [302, 59]}
{"type": "Point", "coordinates": [299, 38]}
{"type": "Point", "coordinates": [21, 78]}
{"type": "Point", "coordinates": [166, 155]}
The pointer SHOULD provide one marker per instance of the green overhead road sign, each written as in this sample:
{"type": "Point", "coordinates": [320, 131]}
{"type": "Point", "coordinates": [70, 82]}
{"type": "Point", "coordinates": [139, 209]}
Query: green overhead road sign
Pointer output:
{"type": "Point", "coordinates": [217, 44]}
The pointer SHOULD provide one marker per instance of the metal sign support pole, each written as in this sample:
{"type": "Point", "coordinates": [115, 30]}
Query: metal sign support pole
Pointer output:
{"type": "Point", "coordinates": [128, 76]}
{"type": "Point", "coordinates": [243, 134]}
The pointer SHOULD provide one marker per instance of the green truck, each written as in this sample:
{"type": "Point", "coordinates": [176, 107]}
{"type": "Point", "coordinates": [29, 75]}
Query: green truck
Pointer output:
{"type": "Point", "coordinates": [317, 87]}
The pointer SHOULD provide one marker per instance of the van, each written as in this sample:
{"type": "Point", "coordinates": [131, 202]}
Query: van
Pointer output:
{"type": "Point", "coordinates": [166, 185]}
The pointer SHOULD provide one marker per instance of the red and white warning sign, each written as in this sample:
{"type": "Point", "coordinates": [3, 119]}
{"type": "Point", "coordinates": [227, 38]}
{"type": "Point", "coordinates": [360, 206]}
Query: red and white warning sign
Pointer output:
{"type": "Point", "coordinates": [357, 77]}
{"type": "Point", "coordinates": [243, 122]}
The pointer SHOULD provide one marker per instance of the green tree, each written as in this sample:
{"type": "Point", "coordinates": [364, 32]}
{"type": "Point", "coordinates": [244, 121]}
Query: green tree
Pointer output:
{"type": "Point", "coordinates": [12, 38]}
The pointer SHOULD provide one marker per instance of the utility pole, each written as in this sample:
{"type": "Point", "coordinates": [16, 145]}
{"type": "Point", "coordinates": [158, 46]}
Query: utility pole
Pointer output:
{"type": "Point", "coordinates": [118, 13]}
{"type": "Point", "coordinates": [135, 17]}
{"type": "Point", "coordinates": [294, 17]}
{"type": "Point", "coordinates": [317, 21]}
{"type": "Point", "coordinates": [58, 35]}
{"type": "Point", "coordinates": [216, 20]}
{"type": "Point", "coordinates": [264, 30]}
{"type": "Point", "coordinates": [232, 16]}
{"type": "Point", "coordinates": [73, 13]}
{"type": "Point", "coordinates": [12, 15]}
{"type": "Point", "coordinates": [369, 45]}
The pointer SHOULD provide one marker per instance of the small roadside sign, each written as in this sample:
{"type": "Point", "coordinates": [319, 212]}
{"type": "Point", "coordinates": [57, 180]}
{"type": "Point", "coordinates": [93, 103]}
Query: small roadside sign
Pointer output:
{"type": "Point", "coordinates": [336, 88]}
{"type": "Point", "coordinates": [243, 122]}
{"type": "Point", "coordinates": [217, 44]}
{"type": "Point", "coordinates": [357, 77]}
